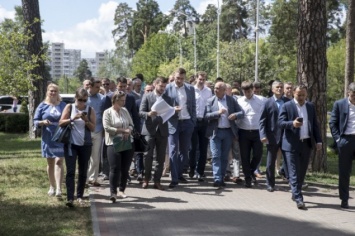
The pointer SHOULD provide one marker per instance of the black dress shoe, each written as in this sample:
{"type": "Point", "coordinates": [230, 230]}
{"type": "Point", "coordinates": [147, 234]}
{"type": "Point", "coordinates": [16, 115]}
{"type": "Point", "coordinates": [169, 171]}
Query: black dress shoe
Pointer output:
{"type": "Point", "coordinates": [223, 184]}
{"type": "Point", "coordinates": [173, 185]}
{"type": "Point", "coordinates": [191, 173]}
{"type": "Point", "coordinates": [247, 183]}
{"type": "Point", "coordinates": [217, 184]}
{"type": "Point", "coordinates": [270, 189]}
{"type": "Point", "coordinates": [344, 204]}
{"type": "Point", "coordinates": [183, 180]}
{"type": "Point", "coordinates": [293, 198]}
{"type": "Point", "coordinates": [301, 205]}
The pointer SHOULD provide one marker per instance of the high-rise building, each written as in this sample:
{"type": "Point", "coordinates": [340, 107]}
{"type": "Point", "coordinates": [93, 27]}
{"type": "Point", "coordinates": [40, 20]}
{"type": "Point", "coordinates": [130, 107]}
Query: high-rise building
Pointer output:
{"type": "Point", "coordinates": [64, 62]}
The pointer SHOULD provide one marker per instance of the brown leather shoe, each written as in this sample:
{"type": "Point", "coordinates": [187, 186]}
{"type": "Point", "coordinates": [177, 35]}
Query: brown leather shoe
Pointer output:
{"type": "Point", "coordinates": [258, 175]}
{"type": "Point", "coordinates": [158, 186]}
{"type": "Point", "coordinates": [237, 180]}
{"type": "Point", "coordinates": [145, 184]}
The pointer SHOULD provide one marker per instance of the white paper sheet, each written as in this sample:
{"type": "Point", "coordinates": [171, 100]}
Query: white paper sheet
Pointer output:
{"type": "Point", "coordinates": [163, 109]}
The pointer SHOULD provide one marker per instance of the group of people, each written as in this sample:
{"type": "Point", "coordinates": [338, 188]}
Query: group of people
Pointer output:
{"type": "Point", "coordinates": [232, 122]}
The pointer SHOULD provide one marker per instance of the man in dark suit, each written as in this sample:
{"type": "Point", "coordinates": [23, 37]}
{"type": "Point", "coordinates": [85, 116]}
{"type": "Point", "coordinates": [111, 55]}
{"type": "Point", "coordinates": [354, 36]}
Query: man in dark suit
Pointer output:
{"type": "Point", "coordinates": [221, 112]}
{"type": "Point", "coordinates": [156, 133]}
{"type": "Point", "coordinates": [299, 123]}
{"type": "Point", "coordinates": [270, 132]}
{"type": "Point", "coordinates": [181, 125]}
{"type": "Point", "coordinates": [343, 131]}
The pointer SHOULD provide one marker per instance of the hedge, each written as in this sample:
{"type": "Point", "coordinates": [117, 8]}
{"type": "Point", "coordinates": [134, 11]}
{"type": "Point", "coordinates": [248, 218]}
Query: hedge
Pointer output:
{"type": "Point", "coordinates": [14, 122]}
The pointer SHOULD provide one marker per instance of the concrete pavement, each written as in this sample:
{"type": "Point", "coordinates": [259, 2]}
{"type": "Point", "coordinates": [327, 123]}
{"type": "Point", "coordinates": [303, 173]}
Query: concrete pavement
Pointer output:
{"type": "Point", "coordinates": [199, 209]}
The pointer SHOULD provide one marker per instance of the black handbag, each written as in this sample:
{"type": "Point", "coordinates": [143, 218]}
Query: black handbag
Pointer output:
{"type": "Point", "coordinates": [62, 134]}
{"type": "Point", "coordinates": [140, 144]}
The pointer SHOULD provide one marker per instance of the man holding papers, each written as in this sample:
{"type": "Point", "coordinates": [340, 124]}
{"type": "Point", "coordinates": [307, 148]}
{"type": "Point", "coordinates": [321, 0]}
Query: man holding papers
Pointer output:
{"type": "Point", "coordinates": [156, 130]}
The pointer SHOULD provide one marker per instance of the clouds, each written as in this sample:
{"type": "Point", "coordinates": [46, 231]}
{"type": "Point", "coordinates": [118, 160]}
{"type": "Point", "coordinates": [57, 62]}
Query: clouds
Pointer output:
{"type": "Point", "coordinates": [203, 5]}
{"type": "Point", "coordinates": [6, 14]}
{"type": "Point", "coordinates": [92, 35]}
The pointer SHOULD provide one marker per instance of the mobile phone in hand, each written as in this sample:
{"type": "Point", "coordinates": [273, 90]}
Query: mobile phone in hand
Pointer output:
{"type": "Point", "coordinates": [84, 113]}
{"type": "Point", "coordinates": [300, 119]}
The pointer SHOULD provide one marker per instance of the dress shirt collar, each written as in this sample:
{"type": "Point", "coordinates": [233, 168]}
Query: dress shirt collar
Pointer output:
{"type": "Point", "coordinates": [183, 85]}
{"type": "Point", "coordinates": [222, 99]}
{"type": "Point", "coordinates": [298, 103]}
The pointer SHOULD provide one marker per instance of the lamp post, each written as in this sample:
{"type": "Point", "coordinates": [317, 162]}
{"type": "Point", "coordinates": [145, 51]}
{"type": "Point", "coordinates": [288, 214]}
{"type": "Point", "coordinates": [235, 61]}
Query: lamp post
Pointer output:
{"type": "Point", "coordinates": [256, 41]}
{"type": "Point", "coordinates": [218, 15]}
{"type": "Point", "coordinates": [194, 32]}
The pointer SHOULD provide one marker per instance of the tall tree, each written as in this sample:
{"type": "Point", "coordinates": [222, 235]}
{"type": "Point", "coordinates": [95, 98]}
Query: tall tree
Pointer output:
{"type": "Point", "coordinates": [83, 72]}
{"type": "Point", "coordinates": [180, 13]}
{"type": "Point", "coordinates": [147, 19]}
{"type": "Point", "coordinates": [350, 41]}
{"type": "Point", "coordinates": [31, 16]}
{"type": "Point", "coordinates": [233, 20]}
{"type": "Point", "coordinates": [312, 64]}
{"type": "Point", "coordinates": [123, 21]}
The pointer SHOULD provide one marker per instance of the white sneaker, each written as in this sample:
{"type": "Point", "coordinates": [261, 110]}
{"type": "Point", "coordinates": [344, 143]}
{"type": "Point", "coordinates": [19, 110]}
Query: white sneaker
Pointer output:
{"type": "Point", "coordinates": [51, 192]}
{"type": "Point", "coordinates": [58, 193]}
{"type": "Point", "coordinates": [122, 195]}
{"type": "Point", "coordinates": [80, 201]}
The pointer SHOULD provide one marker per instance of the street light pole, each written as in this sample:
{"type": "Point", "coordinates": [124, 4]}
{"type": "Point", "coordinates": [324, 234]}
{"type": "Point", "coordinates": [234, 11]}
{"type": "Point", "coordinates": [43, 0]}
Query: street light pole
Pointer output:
{"type": "Point", "coordinates": [218, 15]}
{"type": "Point", "coordinates": [256, 41]}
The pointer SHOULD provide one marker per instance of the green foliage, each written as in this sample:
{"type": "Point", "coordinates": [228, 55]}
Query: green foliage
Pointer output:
{"type": "Point", "coordinates": [159, 49]}
{"type": "Point", "coordinates": [165, 69]}
{"type": "Point", "coordinates": [181, 11]}
{"type": "Point", "coordinates": [68, 85]}
{"type": "Point", "coordinates": [83, 72]}
{"type": "Point", "coordinates": [14, 122]}
{"type": "Point", "coordinates": [24, 107]}
{"type": "Point", "coordinates": [335, 72]}
{"type": "Point", "coordinates": [123, 21]}
{"type": "Point", "coordinates": [15, 62]}
{"type": "Point", "coordinates": [233, 17]}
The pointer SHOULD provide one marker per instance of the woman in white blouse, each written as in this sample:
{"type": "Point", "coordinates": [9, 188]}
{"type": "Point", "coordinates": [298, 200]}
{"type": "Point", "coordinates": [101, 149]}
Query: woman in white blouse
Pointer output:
{"type": "Point", "coordinates": [118, 122]}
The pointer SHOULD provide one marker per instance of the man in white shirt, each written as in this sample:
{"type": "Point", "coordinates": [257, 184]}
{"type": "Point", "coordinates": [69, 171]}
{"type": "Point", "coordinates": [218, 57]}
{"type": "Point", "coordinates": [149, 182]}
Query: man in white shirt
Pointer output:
{"type": "Point", "coordinates": [249, 139]}
{"type": "Point", "coordinates": [199, 139]}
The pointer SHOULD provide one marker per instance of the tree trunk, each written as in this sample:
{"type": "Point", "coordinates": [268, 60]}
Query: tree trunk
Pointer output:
{"type": "Point", "coordinates": [350, 41]}
{"type": "Point", "coordinates": [312, 65]}
{"type": "Point", "coordinates": [30, 10]}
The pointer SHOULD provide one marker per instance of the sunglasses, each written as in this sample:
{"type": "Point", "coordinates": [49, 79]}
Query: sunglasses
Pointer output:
{"type": "Point", "coordinates": [82, 100]}
{"type": "Point", "coordinates": [105, 84]}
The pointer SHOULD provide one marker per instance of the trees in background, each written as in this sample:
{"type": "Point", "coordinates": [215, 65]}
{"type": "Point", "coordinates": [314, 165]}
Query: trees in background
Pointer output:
{"type": "Point", "coordinates": [83, 72]}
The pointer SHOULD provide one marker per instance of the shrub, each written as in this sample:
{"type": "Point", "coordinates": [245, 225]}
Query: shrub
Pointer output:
{"type": "Point", "coordinates": [14, 122]}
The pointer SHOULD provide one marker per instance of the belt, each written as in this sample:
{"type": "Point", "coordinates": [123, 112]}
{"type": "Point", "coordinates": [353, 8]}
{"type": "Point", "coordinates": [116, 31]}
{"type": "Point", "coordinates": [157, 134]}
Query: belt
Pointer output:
{"type": "Point", "coordinates": [349, 134]}
{"type": "Point", "coordinates": [199, 119]}
{"type": "Point", "coordinates": [305, 140]}
{"type": "Point", "coordinates": [224, 128]}
{"type": "Point", "coordinates": [250, 130]}
{"type": "Point", "coordinates": [181, 120]}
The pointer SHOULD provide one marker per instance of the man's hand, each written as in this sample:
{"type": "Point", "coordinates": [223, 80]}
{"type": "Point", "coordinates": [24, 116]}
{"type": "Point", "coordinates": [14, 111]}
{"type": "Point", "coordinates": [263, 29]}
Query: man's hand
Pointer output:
{"type": "Point", "coordinates": [222, 111]}
{"type": "Point", "coordinates": [297, 124]}
{"type": "Point", "coordinates": [152, 113]}
{"type": "Point", "coordinates": [232, 117]}
{"type": "Point", "coordinates": [264, 140]}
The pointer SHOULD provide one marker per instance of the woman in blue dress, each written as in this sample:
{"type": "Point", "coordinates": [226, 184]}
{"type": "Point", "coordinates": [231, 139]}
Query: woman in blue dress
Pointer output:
{"type": "Point", "coordinates": [47, 116]}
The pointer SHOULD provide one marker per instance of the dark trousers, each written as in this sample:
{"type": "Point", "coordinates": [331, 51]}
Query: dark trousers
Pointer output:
{"type": "Point", "coordinates": [119, 167]}
{"type": "Point", "coordinates": [270, 163]}
{"type": "Point", "coordinates": [105, 169]}
{"type": "Point", "coordinates": [139, 162]}
{"type": "Point", "coordinates": [179, 145]}
{"type": "Point", "coordinates": [250, 140]}
{"type": "Point", "coordinates": [158, 143]}
{"type": "Point", "coordinates": [346, 149]}
{"type": "Point", "coordinates": [198, 140]}
{"type": "Point", "coordinates": [297, 164]}
{"type": "Point", "coordinates": [82, 154]}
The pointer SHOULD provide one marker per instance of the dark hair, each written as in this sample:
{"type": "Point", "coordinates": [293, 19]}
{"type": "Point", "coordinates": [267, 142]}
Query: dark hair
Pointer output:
{"type": "Point", "coordinates": [94, 81]}
{"type": "Point", "coordinates": [219, 79]}
{"type": "Point", "coordinates": [160, 79]}
{"type": "Point", "coordinates": [246, 85]}
{"type": "Point", "coordinates": [122, 80]}
{"type": "Point", "coordinates": [299, 86]}
{"type": "Point", "coordinates": [140, 76]}
{"type": "Point", "coordinates": [256, 84]}
{"type": "Point", "coordinates": [81, 92]}
{"type": "Point", "coordinates": [117, 95]}
{"type": "Point", "coordinates": [181, 71]}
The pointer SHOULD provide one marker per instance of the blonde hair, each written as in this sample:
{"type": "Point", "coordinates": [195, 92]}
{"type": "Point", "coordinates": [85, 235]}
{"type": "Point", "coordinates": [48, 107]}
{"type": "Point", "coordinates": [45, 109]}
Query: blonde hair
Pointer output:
{"type": "Point", "coordinates": [52, 85]}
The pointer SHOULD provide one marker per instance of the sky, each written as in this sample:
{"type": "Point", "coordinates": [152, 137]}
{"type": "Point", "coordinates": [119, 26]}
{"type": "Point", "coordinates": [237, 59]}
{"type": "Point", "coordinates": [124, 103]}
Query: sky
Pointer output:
{"type": "Point", "coordinates": [84, 24]}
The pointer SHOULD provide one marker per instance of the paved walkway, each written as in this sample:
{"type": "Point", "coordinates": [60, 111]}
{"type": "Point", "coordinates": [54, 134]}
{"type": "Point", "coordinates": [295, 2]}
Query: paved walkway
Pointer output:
{"type": "Point", "coordinates": [199, 209]}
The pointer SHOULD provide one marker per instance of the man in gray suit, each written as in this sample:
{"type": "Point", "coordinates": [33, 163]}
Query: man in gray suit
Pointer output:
{"type": "Point", "coordinates": [156, 133]}
{"type": "Point", "coordinates": [181, 124]}
{"type": "Point", "coordinates": [221, 112]}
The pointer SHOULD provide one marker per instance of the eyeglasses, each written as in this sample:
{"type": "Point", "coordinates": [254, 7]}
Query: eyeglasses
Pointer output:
{"type": "Point", "coordinates": [82, 100]}
{"type": "Point", "coordinates": [105, 84]}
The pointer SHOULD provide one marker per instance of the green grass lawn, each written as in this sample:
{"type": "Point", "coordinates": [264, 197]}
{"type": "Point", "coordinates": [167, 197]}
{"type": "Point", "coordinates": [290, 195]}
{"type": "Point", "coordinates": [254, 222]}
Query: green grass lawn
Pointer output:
{"type": "Point", "coordinates": [25, 207]}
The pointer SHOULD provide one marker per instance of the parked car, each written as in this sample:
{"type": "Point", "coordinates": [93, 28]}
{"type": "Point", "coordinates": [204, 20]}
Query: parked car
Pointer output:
{"type": "Point", "coordinates": [6, 103]}
{"type": "Point", "coordinates": [68, 98]}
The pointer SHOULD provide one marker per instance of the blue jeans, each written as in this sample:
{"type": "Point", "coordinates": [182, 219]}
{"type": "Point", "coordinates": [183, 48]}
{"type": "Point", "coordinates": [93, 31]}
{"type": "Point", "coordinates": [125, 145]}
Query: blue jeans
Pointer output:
{"type": "Point", "coordinates": [82, 154]}
{"type": "Point", "coordinates": [220, 145]}
{"type": "Point", "coordinates": [179, 145]}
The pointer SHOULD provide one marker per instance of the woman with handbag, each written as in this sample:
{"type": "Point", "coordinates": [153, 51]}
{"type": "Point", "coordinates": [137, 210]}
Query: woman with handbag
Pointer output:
{"type": "Point", "coordinates": [82, 120]}
{"type": "Point", "coordinates": [118, 126]}
{"type": "Point", "coordinates": [47, 116]}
